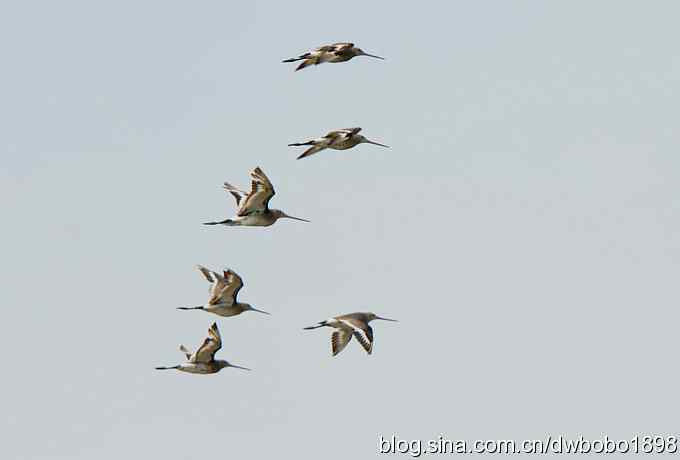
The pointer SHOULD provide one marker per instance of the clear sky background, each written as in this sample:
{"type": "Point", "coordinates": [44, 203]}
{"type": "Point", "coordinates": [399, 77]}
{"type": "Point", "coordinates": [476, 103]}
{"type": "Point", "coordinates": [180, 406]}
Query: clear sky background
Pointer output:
{"type": "Point", "coordinates": [524, 227]}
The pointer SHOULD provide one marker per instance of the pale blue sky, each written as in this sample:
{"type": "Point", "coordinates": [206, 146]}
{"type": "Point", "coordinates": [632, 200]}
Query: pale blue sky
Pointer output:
{"type": "Point", "coordinates": [524, 227]}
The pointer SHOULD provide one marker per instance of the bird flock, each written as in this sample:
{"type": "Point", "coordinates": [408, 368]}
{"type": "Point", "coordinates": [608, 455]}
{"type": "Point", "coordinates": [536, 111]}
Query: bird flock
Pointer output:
{"type": "Point", "coordinates": [252, 210]}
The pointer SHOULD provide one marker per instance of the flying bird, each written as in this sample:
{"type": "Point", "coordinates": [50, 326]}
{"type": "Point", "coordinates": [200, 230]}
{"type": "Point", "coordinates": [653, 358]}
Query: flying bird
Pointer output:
{"type": "Point", "coordinates": [341, 139]}
{"type": "Point", "coordinates": [223, 291]}
{"type": "Point", "coordinates": [337, 52]}
{"type": "Point", "coordinates": [346, 326]}
{"type": "Point", "coordinates": [203, 360]}
{"type": "Point", "coordinates": [253, 208]}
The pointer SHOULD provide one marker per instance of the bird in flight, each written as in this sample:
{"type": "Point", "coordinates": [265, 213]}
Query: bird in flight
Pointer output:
{"type": "Point", "coordinates": [203, 360]}
{"type": "Point", "coordinates": [337, 52]}
{"type": "Point", "coordinates": [341, 139]}
{"type": "Point", "coordinates": [346, 326]}
{"type": "Point", "coordinates": [253, 207]}
{"type": "Point", "coordinates": [223, 291]}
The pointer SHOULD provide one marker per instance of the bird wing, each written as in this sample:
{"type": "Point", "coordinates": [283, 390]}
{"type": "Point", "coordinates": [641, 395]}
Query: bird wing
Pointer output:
{"type": "Point", "coordinates": [341, 135]}
{"type": "Point", "coordinates": [229, 290]}
{"type": "Point", "coordinates": [335, 134]}
{"type": "Point", "coordinates": [365, 338]}
{"type": "Point", "coordinates": [342, 46]}
{"type": "Point", "coordinates": [184, 350]}
{"type": "Point", "coordinates": [362, 331]}
{"type": "Point", "coordinates": [218, 283]}
{"type": "Point", "coordinates": [316, 148]}
{"type": "Point", "coordinates": [206, 273]}
{"type": "Point", "coordinates": [332, 137]}
{"type": "Point", "coordinates": [327, 48]}
{"type": "Point", "coordinates": [211, 344]}
{"type": "Point", "coordinates": [261, 192]}
{"type": "Point", "coordinates": [339, 340]}
{"type": "Point", "coordinates": [350, 131]}
{"type": "Point", "coordinates": [236, 192]}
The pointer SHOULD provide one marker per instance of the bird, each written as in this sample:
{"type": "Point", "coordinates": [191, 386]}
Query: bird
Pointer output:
{"type": "Point", "coordinates": [337, 52]}
{"type": "Point", "coordinates": [203, 360]}
{"type": "Point", "coordinates": [223, 291]}
{"type": "Point", "coordinates": [346, 326]}
{"type": "Point", "coordinates": [341, 139]}
{"type": "Point", "coordinates": [253, 208]}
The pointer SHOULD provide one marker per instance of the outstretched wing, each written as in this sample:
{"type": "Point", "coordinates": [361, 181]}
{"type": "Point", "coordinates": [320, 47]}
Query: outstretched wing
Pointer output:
{"type": "Point", "coordinates": [261, 192]}
{"type": "Point", "coordinates": [186, 352]}
{"type": "Point", "coordinates": [232, 284]}
{"type": "Point", "coordinates": [362, 332]}
{"type": "Point", "coordinates": [316, 148]}
{"type": "Point", "coordinates": [339, 340]}
{"type": "Point", "coordinates": [365, 338]}
{"type": "Point", "coordinates": [211, 344]}
{"type": "Point", "coordinates": [217, 284]}
{"type": "Point", "coordinates": [238, 194]}
{"type": "Point", "coordinates": [206, 273]}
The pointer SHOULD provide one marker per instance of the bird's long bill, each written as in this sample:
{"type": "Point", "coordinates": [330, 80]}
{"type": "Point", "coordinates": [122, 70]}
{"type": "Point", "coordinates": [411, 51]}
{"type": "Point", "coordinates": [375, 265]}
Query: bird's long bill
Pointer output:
{"type": "Point", "coordinates": [376, 143]}
{"type": "Point", "coordinates": [296, 218]}
{"type": "Point", "coordinates": [374, 56]}
{"type": "Point", "coordinates": [240, 367]}
{"type": "Point", "coordinates": [260, 311]}
{"type": "Point", "coordinates": [386, 319]}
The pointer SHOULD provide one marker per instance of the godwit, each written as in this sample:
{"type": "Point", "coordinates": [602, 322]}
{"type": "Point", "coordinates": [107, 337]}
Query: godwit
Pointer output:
{"type": "Point", "coordinates": [203, 361]}
{"type": "Point", "coordinates": [337, 52]}
{"type": "Point", "coordinates": [253, 208]}
{"type": "Point", "coordinates": [355, 324]}
{"type": "Point", "coordinates": [223, 291]}
{"type": "Point", "coordinates": [341, 139]}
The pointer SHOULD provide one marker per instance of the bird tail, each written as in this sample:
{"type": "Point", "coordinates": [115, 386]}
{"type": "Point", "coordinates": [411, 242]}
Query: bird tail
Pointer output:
{"type": "Point", "coordinates": [299, 58]}
{"type": "Point", "coordinates": [321, 324]}
{"type": "Point", "coordinates": [163, 368]}
{"type": "Point", "coordinates": [191, 308]}
{"type": "Point", "coordinates": [298, 144]}
{"type": "Point", "coordinates": [224, 222]}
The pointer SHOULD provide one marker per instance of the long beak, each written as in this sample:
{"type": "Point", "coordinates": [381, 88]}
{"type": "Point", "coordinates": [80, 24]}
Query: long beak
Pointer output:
{"type": "Point", "coordinates": [373, 56]}
{"type": "Point", "coordinates": [240, 367]}
{"type": "Point", "coordinates": [296, 218]}
{"type": "Point", "coordinates": [376, 143]}
{"type": "Point", "coordinates": [260, 311]}
{"type": "Point", "coordinates": [386, 319]}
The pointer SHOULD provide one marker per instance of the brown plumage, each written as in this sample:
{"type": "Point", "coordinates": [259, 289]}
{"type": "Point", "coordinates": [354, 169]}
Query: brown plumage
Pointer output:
{"type": "Point", "coordinates": [340, 139]}
{"type": "Point", "coordinates": [203, 360]}
{"type": "Point", "coordinates": [337, 52]}
{"type": "Point", "coordinates": [224, 289]}
{"type": "Point", "coordinates": [346, 326]}
{"type": "Point", "coordinates": [253, 207]}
